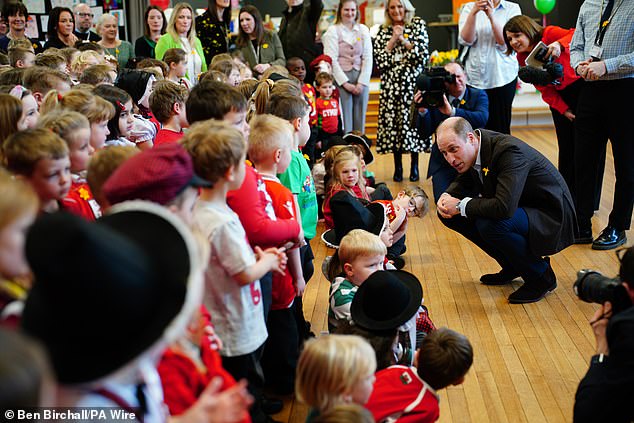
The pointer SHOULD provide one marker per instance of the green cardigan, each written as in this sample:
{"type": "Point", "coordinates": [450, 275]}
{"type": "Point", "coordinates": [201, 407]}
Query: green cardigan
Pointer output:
{"type": "Point", "coordinates": [271, 51]}
{"type": "Point", "coordinates": [166, 42]}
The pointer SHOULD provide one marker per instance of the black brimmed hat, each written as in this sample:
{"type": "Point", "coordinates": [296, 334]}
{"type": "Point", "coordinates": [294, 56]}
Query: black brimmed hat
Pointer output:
{"type": "Point", "coordinates": [107, 292]}
{"type": "Point", "coordinates": [362, 141]}
{"type": "Point", "coordinates": [386, 300]}
{"type": "Point", "coordinates": [349, 213]}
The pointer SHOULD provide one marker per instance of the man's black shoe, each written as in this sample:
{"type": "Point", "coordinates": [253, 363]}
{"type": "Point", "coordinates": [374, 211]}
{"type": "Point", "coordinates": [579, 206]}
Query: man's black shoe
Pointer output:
{"type": "Point", "coordinates": [533, 291]}
{"type": "Point", "coordinates": [502, 277]}
{"type": "Point", "coordinates": [610, 238]}
{"type": "Point", "coordinates": [584, 236]}
{"type": "Point", "coordinates": [271, 406]}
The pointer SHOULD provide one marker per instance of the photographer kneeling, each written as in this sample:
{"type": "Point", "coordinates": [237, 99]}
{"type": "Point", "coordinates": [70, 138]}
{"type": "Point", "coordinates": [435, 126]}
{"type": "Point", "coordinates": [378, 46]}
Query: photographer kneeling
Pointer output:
{"type": "Point", "coordinates": [442, 93]}
{"type": "Point", "coordinates": [606, 393]}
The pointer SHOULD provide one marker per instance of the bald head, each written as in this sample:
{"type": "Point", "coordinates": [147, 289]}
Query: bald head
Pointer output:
{"type": "Point", "coordinates": [83, 17]}
{"type": "Point", "coordinates": [457, 125]}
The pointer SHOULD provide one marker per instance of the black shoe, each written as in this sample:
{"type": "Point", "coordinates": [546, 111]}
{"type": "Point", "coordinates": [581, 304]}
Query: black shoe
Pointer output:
{"type": "Point", "coordinates": [584, 236]}
{"type": "Point", "coordinates": [610, 238]}
{"type": "Point", "coordinates": [533, 291]}
{"type": "Point", "coordinates": [413, 174]}
{"type": "Point", "coordinates": [398, 262]}
{"type": "Point", "coordinates": [503, 277]}
{"type": "Point", "coordinates": [271, 406]}
{"type": "Point", "coordinates": [398, 167]}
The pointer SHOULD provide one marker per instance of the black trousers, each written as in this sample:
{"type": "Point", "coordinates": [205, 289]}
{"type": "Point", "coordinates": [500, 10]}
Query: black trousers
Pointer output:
{"type": "Point", "coordinates": [565, 130]}
{"type": "Point", "coordinates": [500, 104]}
{"type": "Point", "coordinates": [603, 113]}
{"type": "Point", "coordinates": [281, 350]}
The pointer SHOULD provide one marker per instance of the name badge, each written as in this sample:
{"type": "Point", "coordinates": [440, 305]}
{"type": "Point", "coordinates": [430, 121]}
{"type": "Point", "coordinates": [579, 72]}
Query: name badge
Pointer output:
{"type": "Point", "coordinates": [596, 52]}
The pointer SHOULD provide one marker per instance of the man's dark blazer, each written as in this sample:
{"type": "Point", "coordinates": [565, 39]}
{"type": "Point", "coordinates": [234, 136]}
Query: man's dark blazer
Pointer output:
{"type": "Point", "coordinates": [92, 36]}
{"type": "Point", "coordinates": [475, 110]}
{"type": "Point", "coordinates": [606, 393]}
{"type": "Point", "coordinates": [516, 175]}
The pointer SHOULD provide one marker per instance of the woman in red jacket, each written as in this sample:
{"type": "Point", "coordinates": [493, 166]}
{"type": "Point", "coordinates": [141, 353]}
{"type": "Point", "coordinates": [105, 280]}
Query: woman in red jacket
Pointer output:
{"type": "Point", "coordinates": [522, 34]}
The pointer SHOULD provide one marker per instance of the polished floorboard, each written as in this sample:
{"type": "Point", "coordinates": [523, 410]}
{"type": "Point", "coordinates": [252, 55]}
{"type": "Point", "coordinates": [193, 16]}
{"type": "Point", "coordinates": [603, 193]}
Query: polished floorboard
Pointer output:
{"type": "Point", "coordinates": [528, 358]}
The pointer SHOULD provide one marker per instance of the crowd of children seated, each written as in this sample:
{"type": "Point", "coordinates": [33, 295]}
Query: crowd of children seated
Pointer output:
{"type": "Point", "coordinates": [155, 244]}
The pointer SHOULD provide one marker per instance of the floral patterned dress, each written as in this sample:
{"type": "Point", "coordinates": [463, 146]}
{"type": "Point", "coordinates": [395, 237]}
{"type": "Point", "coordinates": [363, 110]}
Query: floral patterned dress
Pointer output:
{"type": "Point", "coordinates": [213, 35]}
{"type": "Point", "coordinates": [399, 69]}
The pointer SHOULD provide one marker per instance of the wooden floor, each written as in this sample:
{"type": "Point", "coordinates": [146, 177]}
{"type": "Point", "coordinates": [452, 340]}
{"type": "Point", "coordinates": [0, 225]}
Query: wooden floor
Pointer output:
{"type": "Point", "coordinates": [528, 358]}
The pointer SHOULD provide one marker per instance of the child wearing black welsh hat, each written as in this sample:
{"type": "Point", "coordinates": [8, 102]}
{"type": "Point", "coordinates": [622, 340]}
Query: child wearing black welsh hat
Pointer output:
{"type": "Point", "coordinates": [388, 300]}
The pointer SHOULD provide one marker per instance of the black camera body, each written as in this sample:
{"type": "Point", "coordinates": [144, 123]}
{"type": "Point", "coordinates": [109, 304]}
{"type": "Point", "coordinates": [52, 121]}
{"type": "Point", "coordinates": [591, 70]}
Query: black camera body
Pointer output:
{"type": "Point", "coordinates": [593, 287]}
{"type": "Point", "coordinates": [432, 85]}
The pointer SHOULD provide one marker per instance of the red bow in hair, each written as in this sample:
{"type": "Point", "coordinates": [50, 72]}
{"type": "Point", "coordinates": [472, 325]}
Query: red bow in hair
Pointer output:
{"type": "Point", "coordinates": [121, 106]}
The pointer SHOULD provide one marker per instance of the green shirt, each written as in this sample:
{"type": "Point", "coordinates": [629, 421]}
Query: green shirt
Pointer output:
{"type": "Point", "coordinates": [299, 181]}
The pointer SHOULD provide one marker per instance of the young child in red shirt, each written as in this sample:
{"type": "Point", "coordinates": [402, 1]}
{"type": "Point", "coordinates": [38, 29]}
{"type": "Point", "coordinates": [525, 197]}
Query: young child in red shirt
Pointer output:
{"type": "Point", "coordinates": [74, 128]}
{"type": "Point", "coordinates": [167, 103]}
{"type": "Point", "coordinates": [329, 120]}
{"type": "Point", "coordinates": [408, 394]}
{"type": "Point", "coordinates": [270, 146]}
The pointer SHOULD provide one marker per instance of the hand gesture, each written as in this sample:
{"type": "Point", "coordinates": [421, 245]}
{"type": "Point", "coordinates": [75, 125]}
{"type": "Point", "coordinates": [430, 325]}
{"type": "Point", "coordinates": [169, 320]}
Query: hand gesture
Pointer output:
{"type": "Point", "coordinates": [569, 115]}
{"type": "Point", "coordinates": [446, 108]}
{"type": "Point", "coordinates": [274, 257]}
{"type": "Point", "coordinates": [261, 67]}
{"type": "Point", "coordinates": [229, 406]}
{"type": "Point", "coordinates": [447, 206]}
{"type": "Point", "coordinates": [599, 324]}
{"type": "Point", "coordinates": [397, 32]}
{"type": "Point", "coordinates": [418, 98]}
{"type": "Point", "coordinates": [554, 50]}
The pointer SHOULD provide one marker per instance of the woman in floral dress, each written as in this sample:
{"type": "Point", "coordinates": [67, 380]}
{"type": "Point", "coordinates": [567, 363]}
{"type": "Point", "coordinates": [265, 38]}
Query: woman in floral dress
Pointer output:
{"type": "Point", "coordinates": [401, 53]}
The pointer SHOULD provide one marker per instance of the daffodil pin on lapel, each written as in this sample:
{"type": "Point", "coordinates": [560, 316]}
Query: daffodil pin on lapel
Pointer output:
{"type": "Point", "coordinates": [485, 170]}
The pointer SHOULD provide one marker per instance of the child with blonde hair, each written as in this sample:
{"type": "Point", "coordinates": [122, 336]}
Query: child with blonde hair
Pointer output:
{"type": "Point", "coordinates": [82, 61]}
{"type": "Point", "coordinates": [18, 208]}
{"type": "Point", "coordinates": [96, 109]}
{"type": "Point", "coordinates": [270, 146]}
{"type": "Point", "coordinates": [74, 128]}
{"type": "Point", "coordinates": [360, 254]}
{"type": "Point", "coordinates": [10, 113]}
{"type": "Point", "coordinates": [346, 176]}
{"type": "Point", "coordinates": [40, 157]}
{"type": "Point", "coordinates": [97, 75]}
{"type": "Point", "coordinates": [334, 370]}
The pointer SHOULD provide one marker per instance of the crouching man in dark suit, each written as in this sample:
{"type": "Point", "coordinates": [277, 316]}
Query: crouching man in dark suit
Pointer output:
{"type": "Point", "coordinates": [461, 100]}
{"type": "Point", "coordinates": [510, 201]}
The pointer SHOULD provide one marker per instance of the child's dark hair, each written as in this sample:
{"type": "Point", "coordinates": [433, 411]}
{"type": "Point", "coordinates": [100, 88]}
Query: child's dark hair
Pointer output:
{"type": "Point", "coordinates": [174, 55]}
{"type": "Point", "coordinates": [165, 95]}
{"type": "Point", "coordinates": [118, 98]}
{"type": "Point", "coordinates": [381, 342]}
{"type": "Point", "coordinates": [4, 59]}
{"type": "Point", "coordinates": [445, 356]}
{"type": "Point", "coordinates": [287, 107]}
{"type": "Point", "coordinates": [89, 46]}
{"type": "Point", "coordinates": [13, 76]}
{"type": "Point", "coordinates": [213, 100]}
{"type": "Point", "coordinates": [323, 77]}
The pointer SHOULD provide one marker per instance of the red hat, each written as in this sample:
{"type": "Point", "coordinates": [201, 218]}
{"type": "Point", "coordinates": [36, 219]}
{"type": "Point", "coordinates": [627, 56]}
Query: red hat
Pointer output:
{"type": "Point", "coordinates": [320, 58]}
{"type": "Point", "coordinates": [158, 174]}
